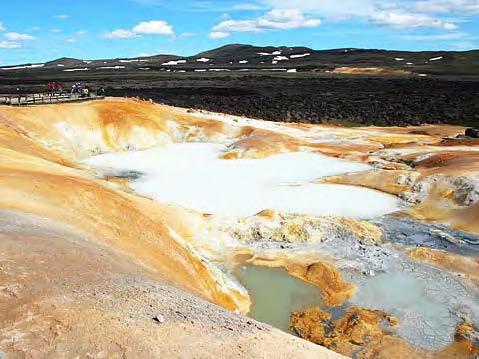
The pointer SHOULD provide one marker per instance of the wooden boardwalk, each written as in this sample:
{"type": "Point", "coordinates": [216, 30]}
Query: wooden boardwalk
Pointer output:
{"type": "Point", "coordinates": [44, 98]}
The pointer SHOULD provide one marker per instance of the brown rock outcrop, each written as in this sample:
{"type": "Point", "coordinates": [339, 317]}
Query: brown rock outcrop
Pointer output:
{"type": "Point", "coordinates": [360, 333]}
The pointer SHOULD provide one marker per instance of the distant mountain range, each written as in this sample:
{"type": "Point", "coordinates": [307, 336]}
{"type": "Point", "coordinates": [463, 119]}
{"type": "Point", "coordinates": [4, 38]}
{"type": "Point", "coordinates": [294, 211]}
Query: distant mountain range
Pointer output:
{"type": "Point", "coordinates": [244, 58]}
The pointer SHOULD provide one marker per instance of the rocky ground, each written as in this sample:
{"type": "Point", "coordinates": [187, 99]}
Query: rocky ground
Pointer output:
{"type": "Point", "coordinates": [343, 100]}
{"type": "Point", "coordinates": [89, 267]}
{"type": "Point", "coordinates": [66, 296]}
{"type": "Point", "coordinates": [309, 98]}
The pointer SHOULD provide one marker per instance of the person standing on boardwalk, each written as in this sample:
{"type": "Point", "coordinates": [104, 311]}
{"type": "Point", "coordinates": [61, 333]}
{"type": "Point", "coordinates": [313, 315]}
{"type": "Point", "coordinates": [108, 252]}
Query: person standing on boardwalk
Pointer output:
{"type": "Point", "coordinates": [19, 94]}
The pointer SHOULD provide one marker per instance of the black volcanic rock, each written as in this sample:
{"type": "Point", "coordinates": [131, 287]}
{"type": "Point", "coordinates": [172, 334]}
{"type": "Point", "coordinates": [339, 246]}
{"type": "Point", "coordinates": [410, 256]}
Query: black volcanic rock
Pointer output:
{"type": "Point", "coordinates": [472, 132]}
{"type": "Point", "coordinates": [347, 100]}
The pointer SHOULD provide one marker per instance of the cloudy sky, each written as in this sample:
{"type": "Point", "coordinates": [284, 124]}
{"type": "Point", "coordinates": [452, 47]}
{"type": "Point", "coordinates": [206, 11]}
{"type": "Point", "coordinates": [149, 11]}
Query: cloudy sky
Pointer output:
{"type": "Point", "coordinates": [37, 31]}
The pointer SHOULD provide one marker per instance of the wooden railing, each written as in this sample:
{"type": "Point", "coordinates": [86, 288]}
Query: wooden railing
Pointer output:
{"type": "Point", "coordinates": [43, 98]}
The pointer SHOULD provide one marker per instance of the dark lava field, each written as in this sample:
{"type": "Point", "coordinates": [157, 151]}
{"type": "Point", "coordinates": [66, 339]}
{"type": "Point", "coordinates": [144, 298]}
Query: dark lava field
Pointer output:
{"type": "Point", "coordinates": [430, 87]}
{"type": "Point", "coordinates": [348, 100]}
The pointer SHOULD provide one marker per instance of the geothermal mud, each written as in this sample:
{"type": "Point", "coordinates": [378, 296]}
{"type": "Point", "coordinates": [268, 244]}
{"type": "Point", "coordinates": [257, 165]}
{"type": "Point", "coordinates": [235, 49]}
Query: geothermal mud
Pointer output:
{"type": "Point", "coordinates": [364, 232]}
{"type": "Point", "coordinates": [193, 175]}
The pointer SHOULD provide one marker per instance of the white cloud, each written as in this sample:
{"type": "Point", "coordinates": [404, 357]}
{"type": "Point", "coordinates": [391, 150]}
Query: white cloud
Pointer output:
{"type": "Point", "coordinates": [404, 20]}
{"type": "Point", "coordinates": [219, 35]}
{"type": "Point", "coordinates": [120, 34]}
{"type": "Point", "coordinates": [393, 13]}
{"type": "Point", "coordinates": [56, 30]}
{"type": "Point", "coordinates": [334, 8]}
{"type": "Point", "coordinates": [9, 45]}
{"type": "Point", "coordinates": [2, 28]}
{"type": "Point", "coordinates": [277, 19]}
{"type": "Point", "coordinates": [71, 40]}
{"type": "Point", "coordinates": [154, 27]}
{"type": "Point", "coordinates": [62, 16]}
{"type": "Point", "coordinates": [327, 8]}
{"type": "Point", "coordinates": [15, 36]}
{"type": "Point", "coordinates": [448, 6]}
{"type": "Point", "coordinates": [81, 32]}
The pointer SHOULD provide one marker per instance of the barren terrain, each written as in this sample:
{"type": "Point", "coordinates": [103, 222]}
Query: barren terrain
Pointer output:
{"type": "Point", "coordinates": [102, 254]}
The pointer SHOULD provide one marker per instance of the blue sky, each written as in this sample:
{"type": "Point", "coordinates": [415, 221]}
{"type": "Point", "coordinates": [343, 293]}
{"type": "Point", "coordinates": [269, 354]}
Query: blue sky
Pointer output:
{"type": "Point", "coordinates": [37, 31]}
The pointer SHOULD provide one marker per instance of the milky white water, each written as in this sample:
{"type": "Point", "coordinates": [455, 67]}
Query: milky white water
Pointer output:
{"type": "Point", "coordinates": [192, 175]}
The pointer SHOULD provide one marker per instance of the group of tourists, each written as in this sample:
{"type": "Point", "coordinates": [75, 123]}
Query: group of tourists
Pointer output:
{"type": "Point", "coordinates": [55, 87]}
{"type": "Point", "coordinates": [85, 91]}
{"type": "Point", "coordinates": [77, 88]}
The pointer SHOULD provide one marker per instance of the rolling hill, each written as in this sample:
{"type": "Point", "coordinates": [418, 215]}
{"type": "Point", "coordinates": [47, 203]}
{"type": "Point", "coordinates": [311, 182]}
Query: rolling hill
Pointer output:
{"type": "Point", "coordinates": [244, 58]}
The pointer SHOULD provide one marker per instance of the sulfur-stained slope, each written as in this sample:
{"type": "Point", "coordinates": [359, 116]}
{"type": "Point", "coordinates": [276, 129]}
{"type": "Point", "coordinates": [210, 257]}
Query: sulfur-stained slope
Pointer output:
{"type": "Point", "coordinates": [131, 224]}
{"type": "Point", "coordinates": [80, 130]}
{"type": "Point", "coordinates": [38, 183]}
{"type": "Point", "coordinates": [43, 174]}
{"type": "Point", "coordinates": [64, 295]}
